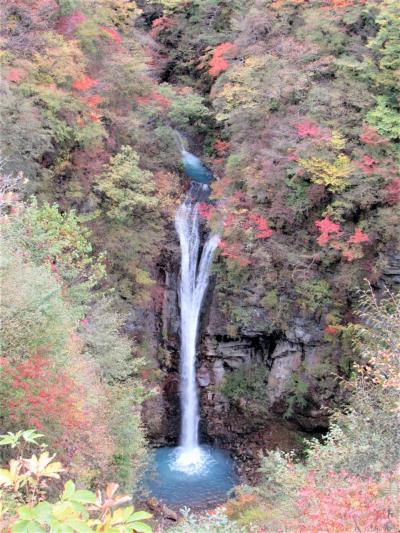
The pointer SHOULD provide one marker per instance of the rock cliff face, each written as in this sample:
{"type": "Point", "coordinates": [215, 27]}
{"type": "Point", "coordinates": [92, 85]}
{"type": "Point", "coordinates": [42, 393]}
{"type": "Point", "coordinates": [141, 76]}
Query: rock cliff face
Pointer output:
{"type": "Point", "coordinates": [297, 352]}
{"type": "Point", "coordinates": [236, 425]}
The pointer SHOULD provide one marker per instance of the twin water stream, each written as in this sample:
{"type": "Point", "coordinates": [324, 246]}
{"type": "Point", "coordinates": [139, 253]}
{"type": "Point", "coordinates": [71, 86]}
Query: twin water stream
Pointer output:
{"type": "Point", "coordinates": [192, 475]}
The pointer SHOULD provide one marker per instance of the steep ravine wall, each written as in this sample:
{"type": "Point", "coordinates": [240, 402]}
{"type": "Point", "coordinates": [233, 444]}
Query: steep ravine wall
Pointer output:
{"type": "Point", "coordinates": [299, 354]}
{"type": "Point", "coordinates": [238, 425]}
{"type": "Point", "coordinates": [225, 422]}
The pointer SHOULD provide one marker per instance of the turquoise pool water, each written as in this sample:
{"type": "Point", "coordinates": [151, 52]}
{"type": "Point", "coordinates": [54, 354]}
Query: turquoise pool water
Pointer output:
{"type": "Point", "coordinates": [195, 169]}
{"type": "Point", "coordinates": [204, 486]}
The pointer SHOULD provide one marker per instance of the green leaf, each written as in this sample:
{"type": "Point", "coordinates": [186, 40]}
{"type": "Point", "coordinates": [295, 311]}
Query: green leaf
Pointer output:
{"type": "Point", "coordinates": [12, 438]}
{"type": "Point", "coordinates": [26, 512]}
{"type": "Point", "coordinates": [83, 496]}
{"type": "Point", "coordinates": [69, 490]}
{"type": "Point", "coordinates": [79, 527]}
{"type": "Point", "coordinates": [7, 439]}
{"type": "Point", "coordinates": [26, 526]}
{"type": "Point", "coordinates": [140, 527]}
{"type": "Point", "coordinates": [21, 526]}
{"type": "Point", "coordinates": [140, 515]}
{"type": "Point", "coordinates": [43, 511]}
{"type": "Point", "coordinates": [30, 435]}
{"type": "Point", "coordinates": [6, 477]}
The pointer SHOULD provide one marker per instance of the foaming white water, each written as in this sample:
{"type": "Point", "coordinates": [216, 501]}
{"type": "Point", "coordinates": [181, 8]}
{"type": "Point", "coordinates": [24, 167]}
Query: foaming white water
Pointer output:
{"type": "Point", "coordinates": [190, 159]}
{"type": "Point", "coordinates": [192, 461]}
{"type": "Point", "coordinates": [194, 281]}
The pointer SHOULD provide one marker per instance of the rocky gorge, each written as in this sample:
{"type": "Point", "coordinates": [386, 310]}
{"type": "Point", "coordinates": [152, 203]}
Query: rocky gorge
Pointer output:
{"type": "Point", "coordinates": [289, 356]}
{"type": "Point", "coordinates": [236, 425]}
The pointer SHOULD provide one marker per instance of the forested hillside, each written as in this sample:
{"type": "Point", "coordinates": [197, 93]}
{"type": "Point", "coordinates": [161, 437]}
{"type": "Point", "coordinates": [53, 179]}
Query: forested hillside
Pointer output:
{"type": "Point", "coordinates": [304, 141]}
{"type": "Point", "coordinates": [294, 105]}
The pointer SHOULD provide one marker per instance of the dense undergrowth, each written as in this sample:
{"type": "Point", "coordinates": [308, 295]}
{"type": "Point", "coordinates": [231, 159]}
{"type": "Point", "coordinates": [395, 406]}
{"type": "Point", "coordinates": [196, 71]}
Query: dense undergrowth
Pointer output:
{"type": "Point", "coordinates": [66, 368]}
{"type": "Point", "coordinates": [29, 502]}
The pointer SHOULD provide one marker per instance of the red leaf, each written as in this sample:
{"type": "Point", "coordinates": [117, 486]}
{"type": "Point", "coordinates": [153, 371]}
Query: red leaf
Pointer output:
{"type": "Point", "coordinates": [205, 210]}
{"type": "Point", "coordinates": [84, 84]}
{"type": "Point", "coordinates": [221, 147]}
{"type": "Point", "coordinates": [308, 128]}
{"type": "Point", "coordinates": [367, 164]}
{"type": "Point", "coordinates": [67, 25]}
{"type": "Point", "coordinates": [331, 330]}
{"type": "Point", "coordinates": [160, 24]}
{"type": "Point", "coordinates": [358, 237]}
{"type": "Point", "coordinates": [348, 254]}
{"type": "Point", "coordinates": [218, 61]}
{"type": "Point", "coordinates": [370, 135]}
{"type": "Point", "coordinates": [232, 251]}
{"type": "Point", "coordinates": [393, 191]}
{"type": "Point", "coordinates": [262, 227]}
{"type": "Point", "coordinates": [94, 101]}
{"type": "Point", "coordinates": [327, 226]}
{"type": "Point", "coordinates": [112, 34]}
{"type": "Point", "coordinates": [14, 75]}
{"type": "Point", "coordinates": [153, 97]}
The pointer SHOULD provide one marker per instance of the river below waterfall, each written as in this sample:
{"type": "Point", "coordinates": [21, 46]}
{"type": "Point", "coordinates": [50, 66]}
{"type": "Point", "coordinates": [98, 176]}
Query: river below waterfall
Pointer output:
{"type": "Point", "coordinates": [193, 475]}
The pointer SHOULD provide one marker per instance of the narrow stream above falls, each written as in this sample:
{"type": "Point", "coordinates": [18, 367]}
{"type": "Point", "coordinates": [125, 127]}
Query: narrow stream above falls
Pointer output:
{"type": "Point", "coordinates": [192, 474]}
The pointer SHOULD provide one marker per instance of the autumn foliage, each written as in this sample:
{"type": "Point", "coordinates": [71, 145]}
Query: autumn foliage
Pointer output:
{"type": "Point", "coordinates": [84, 84]}
{"type": "Point", "coordinates": [346, 503]}
{"type": "Point", "coordinates": [262, 229]}
{"type": "Point", "coordinates": [154, 98]}
{"type": "Point", "coordinates": [370, 135]}
{"type": "Point", "coordinates": [327, 229]}
{"type": "Point", "coordinates": [160, 24]}
{"type": "Point", "coordinates": [367, 164]}
{"type": "Point", "coordinates": [14, 75]}
{"type": "Point", "coordinates": [43, 396]}
{"type": "Point", "coordinates": [234, 252]}
{"type": "Point", "coordinates": [393, 191]}
{"type": "Point", "coordinates": [308, 128]}
{"type": "Point", "coordinates": [358, 237]}
{"type": "Point", "coordinates": [206, 210]}
{"type": "Point", "coordinates": [294, 104]}
{"type": "Point", "coordinates": [221, 147]}
{"type": "Point", "coordinates": [112, 34]}
{"type": "Point", "coordinates": [218, 62]}
{"type": "Point", "coordinates": [68, 24]}
{"type": "Point", "coordinates": [331, 234]}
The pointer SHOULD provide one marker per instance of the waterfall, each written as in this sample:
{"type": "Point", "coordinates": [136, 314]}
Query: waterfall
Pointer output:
{"type": "Point", "coordinates": [194, 280]}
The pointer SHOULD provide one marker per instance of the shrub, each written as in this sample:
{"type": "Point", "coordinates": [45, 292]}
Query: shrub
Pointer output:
{"type": "Point", "coordinates": [34, 314]}
{"type": "Point", "coordinates": [25, 504]}
{"type": "Point", "coordinates": [314, 295]}
{"type": "Point", "coordinates": [189, 110]}
{"type": "Point", "coordinates": [346, 503]}
{"type": "Point", "coordinates": [332, 175]}
{"type": "Point", "coordinates": [248, 384]}
{"type": "Point", "coordinates": [61, 364]}
{"type": "Point", "coordinates": [127, 188]}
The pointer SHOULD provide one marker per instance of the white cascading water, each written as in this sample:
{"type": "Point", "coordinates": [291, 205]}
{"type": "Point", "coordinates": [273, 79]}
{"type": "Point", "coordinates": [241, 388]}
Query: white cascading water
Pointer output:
{"type": "Point", "coordinates": [194, 280]}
